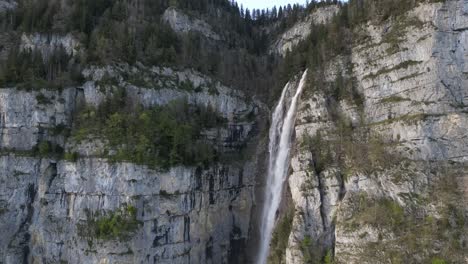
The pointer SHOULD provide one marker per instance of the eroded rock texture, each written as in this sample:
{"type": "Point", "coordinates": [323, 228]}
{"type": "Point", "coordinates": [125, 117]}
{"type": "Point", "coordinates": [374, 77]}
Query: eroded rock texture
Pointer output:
{"type": "Point", "coordinates": [185, 214]}
{"type": "Point", "coordinates": [411, 73]}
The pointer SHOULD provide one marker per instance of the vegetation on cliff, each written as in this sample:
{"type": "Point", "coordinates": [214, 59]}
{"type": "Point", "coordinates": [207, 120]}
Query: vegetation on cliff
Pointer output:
{"type": "Point", "coordinates": [115, 32]}
{"type": "Point", "coordinates": [160, 136]}
{"type": "Point", "coordinates": [119, 224]}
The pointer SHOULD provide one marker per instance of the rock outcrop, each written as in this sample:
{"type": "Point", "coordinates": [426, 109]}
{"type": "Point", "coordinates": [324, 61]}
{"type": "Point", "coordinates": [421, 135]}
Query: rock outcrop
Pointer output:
{"type": "Point", "coordinates": [48, 43]}
{"type": "Point", "coordinates": [182, 23]}
{"type": "Point", "coordinates": [49, 207]}
{"type": "Point", "coordinates": [300, 31]}
{"type": "Point", "coordinates": [411, 73]}
{"type": "Point", "coordinates": [376, 176]}
{"type": "Point", "coordinates": [6, 5]}
{"type": "Point", "coordinates": [186, 214]}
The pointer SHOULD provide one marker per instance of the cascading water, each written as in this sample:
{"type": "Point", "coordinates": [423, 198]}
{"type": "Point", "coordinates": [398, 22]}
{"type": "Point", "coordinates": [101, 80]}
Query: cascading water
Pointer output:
{"type": "Point", "coordinates": [280, 144]}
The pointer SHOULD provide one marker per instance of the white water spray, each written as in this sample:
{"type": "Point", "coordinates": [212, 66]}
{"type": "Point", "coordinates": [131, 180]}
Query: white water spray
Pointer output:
{"type": "Point", "coordinates": [280, 144]}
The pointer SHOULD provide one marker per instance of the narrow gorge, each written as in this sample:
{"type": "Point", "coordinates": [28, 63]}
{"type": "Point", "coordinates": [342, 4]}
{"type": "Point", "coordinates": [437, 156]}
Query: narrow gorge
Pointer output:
{"type": "Point", "coordinates": [198, 131]}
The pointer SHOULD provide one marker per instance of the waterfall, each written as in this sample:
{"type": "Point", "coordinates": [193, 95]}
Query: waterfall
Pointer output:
{"type": "Point", "coordinates": [279, 150]}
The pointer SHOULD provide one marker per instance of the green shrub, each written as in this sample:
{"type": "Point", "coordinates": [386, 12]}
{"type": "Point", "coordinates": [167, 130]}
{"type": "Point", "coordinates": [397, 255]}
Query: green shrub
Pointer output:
{"type": "Point", "coordinates": [187, 85]}
{"type": "Point", "coordinates": [47, 149]}
{"type": "Point", "coordinates": [306, 244]}
{"type": "Point", "coordinates": [44, 148]}
{"type": "Point", "coordinates": [394, 99]}
{"type": "Point", "coordinates": [321, 151]}
{"type": "Point", "coordinates": [3, 211]}
{"type": "Point", "coordinates": [71, 156]}
{"type": "Point", "coordinates": [312, 252]}
{"type": "Point", "coordinates": [377, 212]}
{"type": "Point", "coordinates": [162, 136]}
{"type": "Point", "coordinates": [107, 80]}
{"type": "Point", "coordinates": [438, 261]}
{"type": "Point", "coordinates": [60, 129]}
{"type": "Point", "coordinates": [280, 237]}
{"type": "Point", "coordinates": [212, 90]}
{"type": "Point", "coordinates": [119, 224]}
{"type": "Point", "coordinates": [42, 99]}
{"type": "Point", "coordinates": [163, 193]}
{"type": "Point", "coordinates": [328, 259]}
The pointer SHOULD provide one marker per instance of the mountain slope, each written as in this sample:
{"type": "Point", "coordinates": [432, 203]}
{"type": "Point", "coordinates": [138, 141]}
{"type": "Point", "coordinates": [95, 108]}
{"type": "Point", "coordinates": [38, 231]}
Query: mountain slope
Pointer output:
{"type": "Point", "coordinates": [136, 131]}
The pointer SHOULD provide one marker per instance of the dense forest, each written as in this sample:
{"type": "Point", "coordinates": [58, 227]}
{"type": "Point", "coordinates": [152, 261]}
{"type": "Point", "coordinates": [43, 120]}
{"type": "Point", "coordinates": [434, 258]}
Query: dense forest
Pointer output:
{"type": "Point", "coordinates": [159, 137]}
{"type": "Point", "coordinates": [118, 31]}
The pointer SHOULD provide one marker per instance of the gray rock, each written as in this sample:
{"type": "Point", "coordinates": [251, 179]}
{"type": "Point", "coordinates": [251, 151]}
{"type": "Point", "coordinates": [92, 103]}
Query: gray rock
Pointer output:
{"type": "Point", "coordinates": [182, 23]}
{"type": "Point", "coordinates": [47, 43]}
{"type": "Point", "coordinates": [414, 96]}
{"type": "Point", "coordinates": [25, 120]}
{"type": "Point", "coordinates": [187, 214]}
{"type": "Point", "coordinates": [183, 211]}
{"type": "Point", "coordinates": [300, 31]}
{"type": "Point", "coordinates": [6, 5]}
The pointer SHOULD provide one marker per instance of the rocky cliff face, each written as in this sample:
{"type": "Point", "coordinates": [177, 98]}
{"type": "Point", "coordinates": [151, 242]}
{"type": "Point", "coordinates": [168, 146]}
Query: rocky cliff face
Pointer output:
{"type": "Point", "coordinates": [412, 76]}
{"type": "Point", "coordinates": [375, 179]}
{"type": "Point", "coordinates": [300, 31]}
{"type": "Point", "coordinates": [182, 24]}
{"type": "Point", "coordinates": [6, 5]}
{"type": "Point", "coordinates": [49, 206]}
{"type": "Point", "coordinates": [81, 206]}
{"type": "Point", "coordinates": [185, 215]}
{"type": "Point", "coordinates": [46, 44]}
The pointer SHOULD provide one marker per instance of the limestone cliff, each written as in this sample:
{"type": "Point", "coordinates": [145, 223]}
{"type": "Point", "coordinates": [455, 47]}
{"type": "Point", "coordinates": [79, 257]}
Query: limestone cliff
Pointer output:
{"type": "Point", "coordinates": [182, 24]}
{"type": "Point", "coordinates": [378, 172]}
{"type": "Point", "coordinates": [185, 214]}
{"type": "Point", "coordinates": [300, 31]}
{"type": "Point", "coordinates": [403, 208]}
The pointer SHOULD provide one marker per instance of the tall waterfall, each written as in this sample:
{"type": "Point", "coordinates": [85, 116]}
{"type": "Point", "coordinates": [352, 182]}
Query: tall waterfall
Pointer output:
{"type": "Point", "coordinates": [280, 144]}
